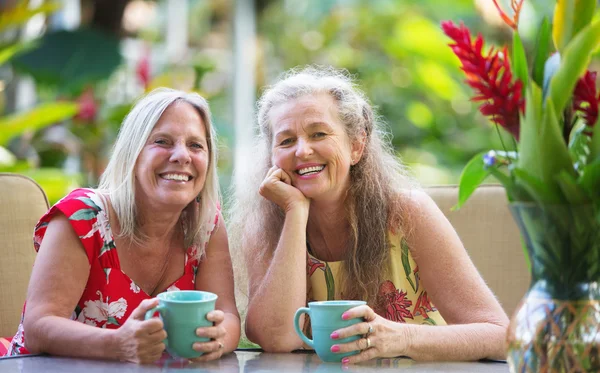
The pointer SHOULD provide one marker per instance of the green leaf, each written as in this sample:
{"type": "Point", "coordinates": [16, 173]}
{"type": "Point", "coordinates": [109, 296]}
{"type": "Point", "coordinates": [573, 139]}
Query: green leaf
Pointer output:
{"type": "Point", "coordinates": [575, 60]}
{"type": "Point", "coordinates": [590, 179]}
{"type": "Point", "coordinates": [573, 193]}
{"type": "Point", "coordinates": [7, 52]}
{"type": "Point", "coordinates": [406, 262]}
{"type": "Point", "coordinates": [535, 187]}
{"type": "Point", "coordinates": [68, 61]}
{"type": "Point", "coordinates": [570, 17]}
{"type": "Point", "coordinates": [542, 50]}
{"type": "Point", "coordinates": [541, 134]}
{"type": "Point", "coordinates": [84, 214]}
{"type": "Point", "coordinates": [21, 13]}
{"type": "Point", "coordinates": [35, 119]}
{"type": "Point", "coordinates": [595, 143]}
{"type": "Point", "coordinates": [579, 148]}
{"type": "Point", "coordinates": [330, 282]}
{"type": "Point", "coordinates": [506, 181]}
{"type": "Point", "coordinates": [471, 177]}
{"type": "Point", "coordinates": [519, 60]}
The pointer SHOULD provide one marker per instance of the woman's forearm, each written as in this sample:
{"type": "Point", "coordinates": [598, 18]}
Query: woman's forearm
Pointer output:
{"type": "Point", "coordinates": [231, 323]}
{"type": "Point", "coordinates": [60, 336]}
{"type": "Point", "coordinates": [464, 342]}
{"type": "Point", "coordinates": [282, 290]}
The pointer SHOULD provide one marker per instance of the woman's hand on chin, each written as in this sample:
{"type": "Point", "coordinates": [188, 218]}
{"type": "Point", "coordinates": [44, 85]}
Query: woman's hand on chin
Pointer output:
{"type": "Point", "coordinates": [214, 348]}
{"type": "Point", "coordinates": [277, 187]}
{"type": "Point", "coordinates": [379, 337]}
{"type": "Point", "coordinates": [141, 341]}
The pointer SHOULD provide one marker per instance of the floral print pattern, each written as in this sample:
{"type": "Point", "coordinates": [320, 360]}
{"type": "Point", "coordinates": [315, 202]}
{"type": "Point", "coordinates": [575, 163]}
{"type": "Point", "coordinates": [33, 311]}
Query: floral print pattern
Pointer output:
{"type": "Point", "coordinates": [394, 305]}
{"type": "Point", "coordinates": [401, 297]}
{"type": "Point", "coordinates": [110, 295]}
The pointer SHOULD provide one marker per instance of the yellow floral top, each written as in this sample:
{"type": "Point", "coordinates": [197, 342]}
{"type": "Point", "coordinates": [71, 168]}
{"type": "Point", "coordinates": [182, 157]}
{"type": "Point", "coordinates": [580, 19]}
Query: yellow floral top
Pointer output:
{"type": "Point", "coordinates": [400, 297]}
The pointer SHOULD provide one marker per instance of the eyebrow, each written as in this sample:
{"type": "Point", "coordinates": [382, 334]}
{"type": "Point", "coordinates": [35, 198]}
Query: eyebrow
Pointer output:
{"type": "Point", "coordinates": [167, 134]}
{"type": "Point", "coordinates": [309, 126]}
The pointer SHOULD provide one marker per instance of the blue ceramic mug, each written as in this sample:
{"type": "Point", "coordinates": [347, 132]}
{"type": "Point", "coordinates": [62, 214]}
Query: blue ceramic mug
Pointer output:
{"type": "Point", "coordinates": [325, 318]}
{"type": "Point", "coordinates": [183, 312]}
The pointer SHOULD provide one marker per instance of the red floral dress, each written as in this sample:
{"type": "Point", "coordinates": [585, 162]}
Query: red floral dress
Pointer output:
{"type": "Point", "coordinates": [110, 295]}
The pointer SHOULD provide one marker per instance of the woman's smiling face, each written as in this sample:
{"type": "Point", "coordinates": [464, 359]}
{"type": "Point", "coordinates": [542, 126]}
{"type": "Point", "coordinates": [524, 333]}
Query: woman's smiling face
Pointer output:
{"type": "Point", "coordinates": [311, 145]}
{"type": "Point", "coordinates": [171, 168]}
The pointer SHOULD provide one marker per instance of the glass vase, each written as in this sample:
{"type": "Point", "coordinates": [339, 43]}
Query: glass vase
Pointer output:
{"type": "Point", "coordinates": [556, 327]}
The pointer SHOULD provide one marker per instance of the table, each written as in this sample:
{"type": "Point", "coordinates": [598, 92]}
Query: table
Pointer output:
{"type": "Point", "coordinates": [239, 362]}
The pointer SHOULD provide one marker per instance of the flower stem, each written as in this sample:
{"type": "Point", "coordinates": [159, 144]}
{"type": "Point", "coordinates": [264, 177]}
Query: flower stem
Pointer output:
{"type": "Point", "coordinates": [502, 141]}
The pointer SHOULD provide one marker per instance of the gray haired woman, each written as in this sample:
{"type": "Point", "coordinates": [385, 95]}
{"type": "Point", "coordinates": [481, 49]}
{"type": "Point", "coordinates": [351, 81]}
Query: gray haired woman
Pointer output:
{"type": "Point", "coordinates": [336, 216]}
{"type": "Point", "coordinates": [153, 225]}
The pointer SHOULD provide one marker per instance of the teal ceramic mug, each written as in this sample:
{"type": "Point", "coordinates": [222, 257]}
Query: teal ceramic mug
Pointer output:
{"type": "Point", "coordinates": [325, 318]}
{"type": "Point", "coordinates": [182, 313]}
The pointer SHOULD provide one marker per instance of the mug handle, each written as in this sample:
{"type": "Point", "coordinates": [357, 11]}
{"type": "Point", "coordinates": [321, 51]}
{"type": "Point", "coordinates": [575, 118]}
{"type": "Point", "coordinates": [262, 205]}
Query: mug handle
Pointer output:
{"type": "Point", "coordinates": [150, 313]}
{"type": "Point", "coordinates": [299, 331]}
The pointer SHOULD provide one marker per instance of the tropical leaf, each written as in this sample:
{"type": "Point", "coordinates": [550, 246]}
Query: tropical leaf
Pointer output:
{"type": "Point", "coordinates": [539, 190]}
{"type": "Point", "coordinates": [575, 60]}
{"type": "Point", "coordinates": [540, 131]}
{"type": "Point", "coordinates": [7, 52]}
{"type": "Point", "coordinates": [579, 146]}
{"type": "Point", "coordinates": [570, 17]}
{"type": "Point", "coordinates": [84, 214]}
{"type": "Point", "coordinates": [542, 50]}
{"type": "Point", "coordinates": [21, 13]}
{"type": "Point", "coordinates": [35, 119]}
{"type": "Point", "coordinates": [71, 60]}
{"type": "Point", "coordinates": [406, 262]}
{"type": "Point", "coordinates": [330, 282]}
{"type": "Point", "coordinates": [519, 60]}
{"type": "Point", "coordinates": [90, 203]}
{"type": "Point", "coordinates": [471, 177]}
{"type": "Point", "coordinates": [595, 143]}
{"type": "Point", "coordinates": [573, 193]}
{"type": "Point", "coordinates": [590, 179]}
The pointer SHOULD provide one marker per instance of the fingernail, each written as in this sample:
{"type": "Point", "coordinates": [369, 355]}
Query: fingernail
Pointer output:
{"type": "Point", "coordinates": [334, 335]}
{"type": "Point", "coordinates": [335, 348]}
{"type": "Point", "coordinates": [345, 360]}
{"type": "Point", "coordinates": [345, 316]}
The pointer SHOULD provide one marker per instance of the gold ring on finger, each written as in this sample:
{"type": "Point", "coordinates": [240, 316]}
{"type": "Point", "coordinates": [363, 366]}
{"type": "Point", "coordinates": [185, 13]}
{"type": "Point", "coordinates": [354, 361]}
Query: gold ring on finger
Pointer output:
{"type": "Point", "coordinates": [368, 343]}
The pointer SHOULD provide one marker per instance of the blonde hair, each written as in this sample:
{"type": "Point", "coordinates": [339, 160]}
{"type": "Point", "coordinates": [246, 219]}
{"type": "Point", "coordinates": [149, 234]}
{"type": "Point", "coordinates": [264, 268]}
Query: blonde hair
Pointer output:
{"type": "Point", "coordinates": [118, 180]}
{"type": "Point", "coordinates": [377, 181]}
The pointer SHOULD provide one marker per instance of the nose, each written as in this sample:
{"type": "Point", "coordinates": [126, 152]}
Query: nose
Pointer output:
{"type": "Point", "coordinates": [303, 148]}
{"type": "Point", "coordinates": [180, 154]}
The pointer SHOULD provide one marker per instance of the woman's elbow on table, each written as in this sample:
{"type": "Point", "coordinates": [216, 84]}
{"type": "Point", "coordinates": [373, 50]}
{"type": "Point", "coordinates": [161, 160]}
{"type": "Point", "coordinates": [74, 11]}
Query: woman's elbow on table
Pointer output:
{"type": "Point", "coordinates": [272, 341]}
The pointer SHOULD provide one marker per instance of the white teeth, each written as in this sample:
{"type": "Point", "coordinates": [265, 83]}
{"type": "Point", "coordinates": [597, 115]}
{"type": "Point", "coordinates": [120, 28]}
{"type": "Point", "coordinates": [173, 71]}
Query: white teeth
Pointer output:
{"type": "Point", "coordinates": [304, 171]}
{"type": "Point", "coordinates": [177, 177]}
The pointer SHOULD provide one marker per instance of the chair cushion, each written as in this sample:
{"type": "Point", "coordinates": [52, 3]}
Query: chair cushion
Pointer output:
{"type": "Point", "coordinates": [22, 203]}
{"type": "Point", "coordinates": [491, 237]}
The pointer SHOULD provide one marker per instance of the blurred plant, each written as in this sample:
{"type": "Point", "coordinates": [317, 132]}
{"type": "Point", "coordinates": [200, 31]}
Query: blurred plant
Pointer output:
{"type": "Point", "coordinates": [557, 158]}
{"type": "Point", "coordinates": [551, 178]}
{"type": "Point", "coordinates": [24, 124]}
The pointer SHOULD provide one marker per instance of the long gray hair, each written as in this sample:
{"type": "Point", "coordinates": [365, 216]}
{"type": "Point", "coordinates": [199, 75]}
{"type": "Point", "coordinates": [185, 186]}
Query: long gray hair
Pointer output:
{"type": "Point", "coordinates": [376, 182]}
{"type": "Point", "coordinates": [118, 180]}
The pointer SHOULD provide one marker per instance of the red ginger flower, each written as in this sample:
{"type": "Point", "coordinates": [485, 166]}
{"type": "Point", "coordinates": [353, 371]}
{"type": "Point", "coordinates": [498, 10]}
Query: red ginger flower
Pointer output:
{"type": "Point", "coordinates": [490, 77]}
{"type": "Point", "coordinates": [586, 99]}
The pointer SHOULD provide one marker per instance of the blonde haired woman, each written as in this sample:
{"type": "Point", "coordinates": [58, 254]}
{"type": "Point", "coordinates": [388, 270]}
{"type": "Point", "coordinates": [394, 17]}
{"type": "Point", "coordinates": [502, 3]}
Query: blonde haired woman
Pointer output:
{"type": "Point", "coordinates": [338, 218]}
{"type": "Point", "coordinates": [153, 225]}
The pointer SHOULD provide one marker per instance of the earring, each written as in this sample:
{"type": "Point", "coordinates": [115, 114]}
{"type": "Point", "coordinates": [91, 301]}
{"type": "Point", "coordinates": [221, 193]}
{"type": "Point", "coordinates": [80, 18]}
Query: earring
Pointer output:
{"type": "Point", "coordinates": [198, 198]}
